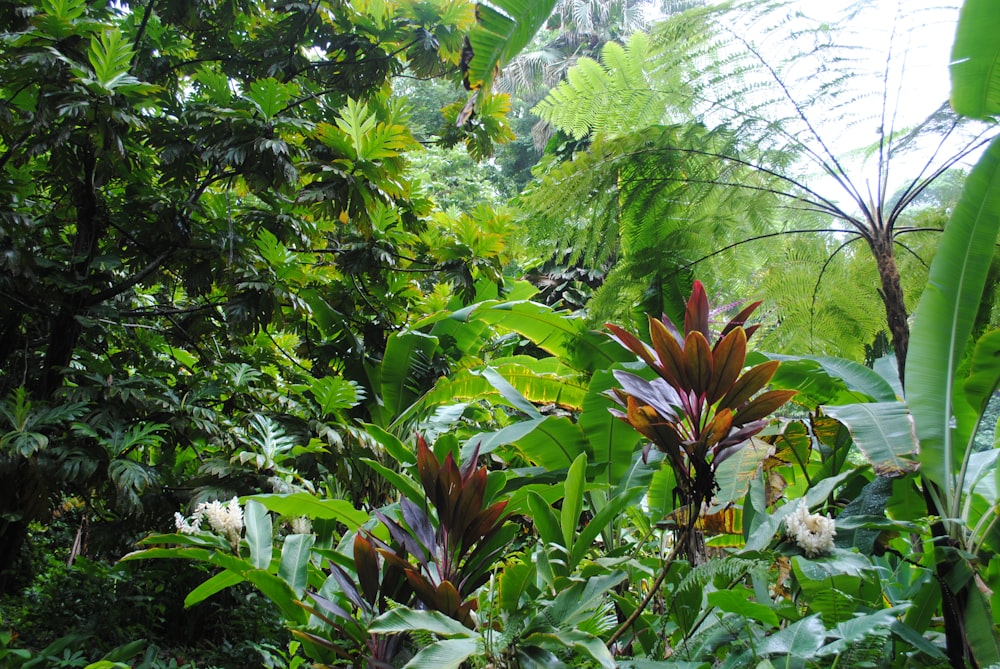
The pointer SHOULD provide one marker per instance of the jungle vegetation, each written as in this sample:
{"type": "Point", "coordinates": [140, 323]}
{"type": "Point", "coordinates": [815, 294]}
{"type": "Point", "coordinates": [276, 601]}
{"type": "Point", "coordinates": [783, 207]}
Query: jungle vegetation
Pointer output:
{"type": "Point", "coordinates": [561, 333]}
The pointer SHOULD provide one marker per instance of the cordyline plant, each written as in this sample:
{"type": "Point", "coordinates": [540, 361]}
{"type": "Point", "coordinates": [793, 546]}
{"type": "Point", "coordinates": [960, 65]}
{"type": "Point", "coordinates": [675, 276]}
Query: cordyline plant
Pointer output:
{"type": "Point", "coordinates": [702, 407]}
{"type": "Point", "coordinates": [434, 562]}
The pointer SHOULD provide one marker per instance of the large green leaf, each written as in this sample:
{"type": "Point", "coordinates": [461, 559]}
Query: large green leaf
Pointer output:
{"type": "Point", "coordinates": [408, 620]}
{"type": "Point", "coordinates": [613, 441]}
{"type": "Point", "coordinates": [504, 27]}
{"type": "Point", "coordinates": [883, 431]}
{"type": "Point", "coordinates": [800, 639]}
{"type": "Point", "coordinates": [943, 323]}
{"type": "Point", "coordinates": [293, 567]}
{"type": "Point", "coordinates": [554, 443]}
{"type": "Point", "coordinates": [217, 583]}
{"type": "Point", "coordinates": [826, 380]}
{"type": "Point", "coordinates": [258, 526]}
{"type": "Point", "coordinates": [576, 480]}
{"type": "Point", "coordinates": [304, 504]}
{"type": "Point", "coordinates": [541, 381]}
{"type": "Point", "coordinates": [975, 60]}
{"type": "Point", "coordinates": [559, 334]}
{"type": "Point", "coordinates": [402, 351]}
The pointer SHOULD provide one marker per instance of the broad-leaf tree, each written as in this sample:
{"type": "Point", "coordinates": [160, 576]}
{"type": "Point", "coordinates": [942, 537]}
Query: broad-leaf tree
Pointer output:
{"type": "Point", "coordinates": [206, 215]}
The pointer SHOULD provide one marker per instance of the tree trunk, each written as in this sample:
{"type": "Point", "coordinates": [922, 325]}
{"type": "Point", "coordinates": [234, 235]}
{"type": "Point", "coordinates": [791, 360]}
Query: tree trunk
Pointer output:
{"type": "Point", "coordinates": [952, 601]}
{"type": "Point", "coordinates": [892, 297]}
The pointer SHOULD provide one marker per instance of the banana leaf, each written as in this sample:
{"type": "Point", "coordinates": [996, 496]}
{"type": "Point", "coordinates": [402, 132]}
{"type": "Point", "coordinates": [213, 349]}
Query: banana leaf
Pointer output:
{"type": "Point", "coordinates": [975, 60]}
{"type": "Point", "coordinates": [942, 326]}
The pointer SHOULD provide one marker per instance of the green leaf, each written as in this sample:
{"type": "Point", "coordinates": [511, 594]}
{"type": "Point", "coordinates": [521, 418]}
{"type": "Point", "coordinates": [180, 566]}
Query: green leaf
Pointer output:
{"type": "Point", "coordinates": [404, 484]}
{"type": "Point", "coordinates": [446, 654]}
{"type": "Point", "coordinates": [612, 441]}
{"type": "Point", "coordinates": [733, 601]}
{"type": "Point", "coordinates": [403, 619]}
{"type": "Point", "coordinates": [826, 380]}
{"type": "Point", "coordinates": [572, 504]}
{"type": "Point", "coordinates": [270, 96]}
{"type": "Point", "coordinates": [546, 523]}
{"type": "Point", "coordinates": [217, 583]}
{"type": "Point", "coordinates": [333, 393]}
{"type": "Point", "coordinates": [110, 56]}
{"type": "Point", "coordinates": [293, 567]}
{"type": "Point", "coordinates": [985, 373]}
{"type": "Point", "coordinates": [734, 474]}
{"type": "Point", "coordinates": [504, 27]}
{"type": "Point", "coordinates": [305, 504]}
{"type": "Point", "coordinates": [401, 350]}
{"type": "Point", "coordinates": [801, 639]}
{"type": "Point", "coordinates": [279, 592]}
{"type": "Point", "coordinates": [258, 526]}
{"type": "Point", "coordinates": [554, 443]}
{"type": "Point", "coordinates": [557, 333]}
{"type": "Point", "coordinates": [883, 431]}
{"type": "Point", "coordinates": [943, 323]}
{"type": "Point", "coordinates": [975, 60]}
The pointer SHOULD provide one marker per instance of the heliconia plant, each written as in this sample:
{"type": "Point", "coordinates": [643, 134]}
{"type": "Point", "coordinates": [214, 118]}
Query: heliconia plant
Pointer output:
{"type": "Point", "coordinates": [702, 406]}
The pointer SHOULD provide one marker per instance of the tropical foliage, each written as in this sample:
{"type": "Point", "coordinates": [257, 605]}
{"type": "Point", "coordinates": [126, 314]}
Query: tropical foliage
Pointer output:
{"type": "Point", "coordinates": [285, 384]}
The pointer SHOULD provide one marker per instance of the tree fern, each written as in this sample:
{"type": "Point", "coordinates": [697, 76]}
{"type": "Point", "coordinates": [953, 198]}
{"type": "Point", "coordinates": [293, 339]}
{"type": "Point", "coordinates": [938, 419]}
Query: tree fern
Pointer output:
{"type": "Point", "coordinates": [769, 95]}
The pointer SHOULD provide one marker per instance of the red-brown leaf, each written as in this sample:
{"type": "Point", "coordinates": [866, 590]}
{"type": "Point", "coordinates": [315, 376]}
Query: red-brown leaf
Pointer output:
{"type": "Point", "coordinates": [696, 315]}
{"type": "Point", "coordinates": [366, 565]}
{"type": "Point", "coordinates": [698, 363]}
{"type": "Point", "coordinates": [739, 320]}
{"type": "Point", "coordinates": [669, 351]}
{"type": "Point", "coordinates": [748, 384]}
{"type": "Point", "coordinates": [729, 356]}
{"type": "Point", "coordinates": [632, 343]}
{"type": "Point", "coordinates": [470, 502]}
{"type": "Point", "coordinates": [762, 406]}
{"type": "Point", "coordinates": [428, 466]}
{"type": "Point", "coordinates": [447, 599]}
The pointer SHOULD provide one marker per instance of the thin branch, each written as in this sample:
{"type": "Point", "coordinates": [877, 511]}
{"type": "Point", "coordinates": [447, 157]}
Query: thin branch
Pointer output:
{"type": "Point", "coordinates": [845, 182]}
{"type": "Point", "coordinates": [819, 281]}
{"type": "Point", "coordinates": [758, 238]}
{"type": "Point", "coordinates": [912, 253]}
{"type": "Point", "coordinates": [833, 208]}
{"type": "Point", "coordinates": [140, 33]}
{"type": "Point", "coordinates": [653, 590]}
{"type": "Point", "coordinates": [112, 291]}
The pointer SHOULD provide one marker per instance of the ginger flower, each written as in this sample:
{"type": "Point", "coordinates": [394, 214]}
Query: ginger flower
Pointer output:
{"type": "Point", "coordinates": [225, 519]}
{"type": "Point", "coordinates": [812, 532]}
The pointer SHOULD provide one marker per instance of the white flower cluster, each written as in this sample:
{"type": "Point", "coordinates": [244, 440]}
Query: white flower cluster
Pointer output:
{"type": "Point", "coordinates": [301, 525]}
{"type": "Point", "coordinates": [225, 519]}
{"type": "Point", "coordinates": [812, 532]}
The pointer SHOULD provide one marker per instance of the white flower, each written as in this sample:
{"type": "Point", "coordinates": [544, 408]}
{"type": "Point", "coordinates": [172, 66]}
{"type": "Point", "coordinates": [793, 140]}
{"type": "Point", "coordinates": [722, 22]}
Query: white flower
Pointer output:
{"type": "Point", "coordinates": [225, 519]}
{"type": "Point", "coordinates": [301, 525]}
{"type": "Point", "coordinates": [812, 532]}
{"type": "Point", "coordinates": [183, 526]}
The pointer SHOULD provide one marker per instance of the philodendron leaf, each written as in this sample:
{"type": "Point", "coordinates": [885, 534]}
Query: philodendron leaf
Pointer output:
{"type": "Point", "coordinates": [801, 639]}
